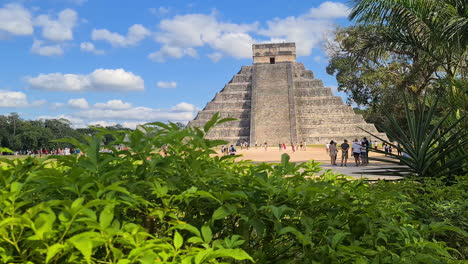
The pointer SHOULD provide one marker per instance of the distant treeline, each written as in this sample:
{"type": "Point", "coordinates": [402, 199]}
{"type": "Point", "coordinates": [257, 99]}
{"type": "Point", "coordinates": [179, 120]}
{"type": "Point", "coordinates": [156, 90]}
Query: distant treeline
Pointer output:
{"type": "Point", "coordinates": [19, 134]}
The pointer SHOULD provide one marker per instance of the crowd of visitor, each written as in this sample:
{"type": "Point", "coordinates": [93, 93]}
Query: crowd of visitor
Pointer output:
{"type": "Point", "coordinates": [44, 152]}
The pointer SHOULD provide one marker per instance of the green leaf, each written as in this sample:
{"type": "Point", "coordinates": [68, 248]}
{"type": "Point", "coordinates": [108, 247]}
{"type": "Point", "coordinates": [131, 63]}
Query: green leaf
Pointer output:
{"type": "Point", "coordinates": [106, 216]}
{"type": "Point", "coordinates": [206, 232]}
{"type": "Point", "coordinates": [237, 254]}
{"type": "Point", "coordinates": [178, 240]}
{"type": "Point", "coordinates": [189, 228]}
{"type": "Point", "coordinates": [221, 213]}
{"type": "Point", "coordinates": [84, 243]}
{"type": "Point", "coordinates": [337, 238]}
{"type": "Point", "coordinates": [53, 250]}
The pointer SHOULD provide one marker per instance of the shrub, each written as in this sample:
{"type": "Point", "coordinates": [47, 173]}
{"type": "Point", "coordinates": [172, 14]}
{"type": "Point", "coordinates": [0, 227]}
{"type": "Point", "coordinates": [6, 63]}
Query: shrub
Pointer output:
{"type": "Point", "coordinates": [189, 206]}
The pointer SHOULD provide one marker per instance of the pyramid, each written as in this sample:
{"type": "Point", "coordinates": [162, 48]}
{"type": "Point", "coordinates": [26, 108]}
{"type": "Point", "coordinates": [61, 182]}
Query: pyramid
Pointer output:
{"type": "Point", "coordinates": [277, 100]}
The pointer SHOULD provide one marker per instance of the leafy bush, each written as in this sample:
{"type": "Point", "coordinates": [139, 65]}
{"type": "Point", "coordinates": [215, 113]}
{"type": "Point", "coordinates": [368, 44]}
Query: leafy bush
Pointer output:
{"type": "Point", "coordinates": [430, 147]}
{"type": "Point", "coordinates": [189, 206]}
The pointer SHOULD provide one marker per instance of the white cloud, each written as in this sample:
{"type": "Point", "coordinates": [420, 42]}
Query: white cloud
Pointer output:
{"type": "Point", "coordinates": [39, 48]}
{"type": "Point", "coordinates": [135, 34]}
{"type": "Point", "coordinates": [167, 52]}
{"type": "Point", "coordinates": [181, 112]}
{"type": "Point", "coordinates": [184, 107]}
{"type": "Point", "coordinates": [99, 80]}
{"type": "Point", "coordinates": [56, 105]}
{"type": "Point", "coordinates": [136, 113]}
{"type": "Point", "coordinates": [102, 123]}
{"type": "Point", "coordinates": [16, 20]}
{"type": "Point", "coordinates": [199, 30]}
{"type": "Point", "coordinates": [114, 105]}
{"type": "Point", "coordinates": [60, 29]}
{"type": "Point", "coordinates": [167, 84]}
{"type": "Point", "coordinates": [187, 32]}
{"type": "Point", "coordinates": [75, 122]}
{"type": "Point", "coordinates": [329, 10]}
{"type": "Point", "coordinates": [13, 99]}
{"type": "Point", "coordinates": [89, 47]}
{"type": "Point", "coordinates": [79, 103]}
{"type": "Point", "coordinates": [17, 99]}
{"type": "Point", "coordinates": [215, 56]}
{"type": "Point", "coordinates": [117, 112]}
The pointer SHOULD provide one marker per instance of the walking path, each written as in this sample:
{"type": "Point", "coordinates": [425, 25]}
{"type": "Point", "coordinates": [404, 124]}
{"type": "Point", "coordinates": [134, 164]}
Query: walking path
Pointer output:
{"type": "Point", "coordinates": [319, 154]}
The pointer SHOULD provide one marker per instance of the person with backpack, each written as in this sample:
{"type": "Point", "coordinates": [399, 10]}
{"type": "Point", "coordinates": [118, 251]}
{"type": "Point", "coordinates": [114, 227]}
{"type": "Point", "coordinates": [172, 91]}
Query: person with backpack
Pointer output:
{"type": "Point", "coordinates": [232, 150]}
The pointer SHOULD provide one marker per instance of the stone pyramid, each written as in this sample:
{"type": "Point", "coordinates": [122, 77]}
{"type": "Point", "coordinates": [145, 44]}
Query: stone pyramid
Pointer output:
{"type": "Point", "coordinates": [277, 100]}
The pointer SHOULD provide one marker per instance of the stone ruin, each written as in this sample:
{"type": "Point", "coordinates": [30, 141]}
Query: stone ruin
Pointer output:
{"type": "Point", "coordinates": [277, 100]}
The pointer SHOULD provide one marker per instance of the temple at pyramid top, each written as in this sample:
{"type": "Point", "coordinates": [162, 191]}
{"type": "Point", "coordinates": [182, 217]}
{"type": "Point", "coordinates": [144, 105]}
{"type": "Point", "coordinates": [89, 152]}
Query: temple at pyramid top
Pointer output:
{"type": "Point", "coordinates": [274, 53]}
{"type": "Point", "coordinates": [277, 100]}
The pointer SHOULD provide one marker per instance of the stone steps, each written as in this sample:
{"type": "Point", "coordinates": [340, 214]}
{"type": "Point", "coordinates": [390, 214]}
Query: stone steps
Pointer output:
{"type": "Point", "coordinates": [236, 123]}
{"type": "Point", "coordinates": [241, 78]}
{"type": "Point", "coordinates": [245, 70]}
{"type": "Point", "coordinates": [308, 83]}
{"type": "Point", "coordinates": [304, 74]}
{"type": "Point", "coordinates": [327, 129]}
{"type": "Point", "coordinates": [237, 87]}
{"type": "Point", "coordinates": [229, 132]}
{"type": "Point", "coordinates": [313, 111]}
{"type": "Point", "coordinates": [235, 96]}
{"type": "Point", "coordinates": [330, 120]}
{"type": "Point", "coordinates": [319, 101]}
{"type": "Point", "coordinates": [324, 139]}
{"type": "Point", "coordinates": [233, 113]}
{"type": "Point", "coordinates": [303, 92]}
{"type": "Point", "coordinates": [223, 105]}
{"type": "Point", "coordinates": [232, 140]}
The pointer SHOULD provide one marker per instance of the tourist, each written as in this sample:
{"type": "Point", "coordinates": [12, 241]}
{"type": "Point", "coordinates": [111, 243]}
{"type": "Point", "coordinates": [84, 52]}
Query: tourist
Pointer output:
{"type": "Point", "coordinates": [232, 150]}
{"type": "Point", "coordinates": [333, 152]}
{"type": "Point", "coordinates": [293, 147]}
{"type": "Point", "coordinates": [284, 146]}
{"type": "Point", "coordinates": [365, 144]}
{"type": "Point", "coordinates": [305, 146]}
{"type": "Point", "coordinates": [327, 147]}
{"type": "Point", "coordinates": [363, 154]}
{"type": "Point", "coordinates": [356, 148]}
{"type": "Point", "coordinates": [344, 152]}
{"type": "Point", "coordinates": [390, 149]}
{"type": "Point", "coordinates": [256, 144]}
{"type": "Point", "coordinates": [385, 147]}
{"type": "Point", "coordinates": [265, 146]}
{"type": "Point", "coordinates": [399, 149]}
{"type": "Point", "coordinates": [300, 146]}
{"type": "Point", "coordinates": [376, 144]}
{"type": "Point", "coordinates": [280, 146]}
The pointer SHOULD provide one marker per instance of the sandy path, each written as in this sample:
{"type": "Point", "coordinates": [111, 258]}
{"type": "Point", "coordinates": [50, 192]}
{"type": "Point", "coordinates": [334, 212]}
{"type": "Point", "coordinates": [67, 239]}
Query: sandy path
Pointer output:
{"type": "Point", "coordinates": [274, 155]}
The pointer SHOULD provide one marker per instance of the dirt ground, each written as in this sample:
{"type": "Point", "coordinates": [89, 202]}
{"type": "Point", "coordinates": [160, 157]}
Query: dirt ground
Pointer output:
{"type": "Point", "coordinates": [274, 155]}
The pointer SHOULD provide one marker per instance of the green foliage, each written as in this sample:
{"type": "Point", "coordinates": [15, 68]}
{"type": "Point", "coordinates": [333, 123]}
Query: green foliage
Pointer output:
{"type": "Point", "coordinates": [19, 134]}
{"type": "Point", "coordinates": [431, 149]}
{"type": "Point", "coordinates": [189, 206]}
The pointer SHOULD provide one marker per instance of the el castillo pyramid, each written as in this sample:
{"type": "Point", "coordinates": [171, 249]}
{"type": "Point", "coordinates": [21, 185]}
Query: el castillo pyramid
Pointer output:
{"type": "Point", "coordinates": [277, 100]}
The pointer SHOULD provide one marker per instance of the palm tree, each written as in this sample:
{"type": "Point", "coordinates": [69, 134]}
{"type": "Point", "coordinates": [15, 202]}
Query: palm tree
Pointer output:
{"type": "Point", "coordinates": [433, 33]}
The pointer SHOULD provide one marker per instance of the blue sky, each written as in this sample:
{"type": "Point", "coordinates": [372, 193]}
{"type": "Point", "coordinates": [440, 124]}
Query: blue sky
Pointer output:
{"type": "Point", "coordinates": [131, 62]}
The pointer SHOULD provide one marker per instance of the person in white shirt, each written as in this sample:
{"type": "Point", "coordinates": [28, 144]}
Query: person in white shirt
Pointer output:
{"type": "Point", "coordinates": [356, 147]}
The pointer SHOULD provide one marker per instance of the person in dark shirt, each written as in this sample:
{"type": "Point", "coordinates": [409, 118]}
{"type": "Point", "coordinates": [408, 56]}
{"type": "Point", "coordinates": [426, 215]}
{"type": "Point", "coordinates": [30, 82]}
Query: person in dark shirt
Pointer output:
{"type": "Point", "coordinates": [344, 152]}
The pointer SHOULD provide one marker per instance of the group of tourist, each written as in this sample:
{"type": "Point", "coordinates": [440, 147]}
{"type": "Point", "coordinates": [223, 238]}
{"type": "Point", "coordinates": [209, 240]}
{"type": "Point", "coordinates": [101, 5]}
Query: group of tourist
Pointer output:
{"type": "Point", "coordinates": [359, 150]}
{"type": "Point", "coordinates": [43, 151]}
{"type": "Point", "coordinates": [228, 150]}
{"type": "Point", "coordinates": [302, 146]}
